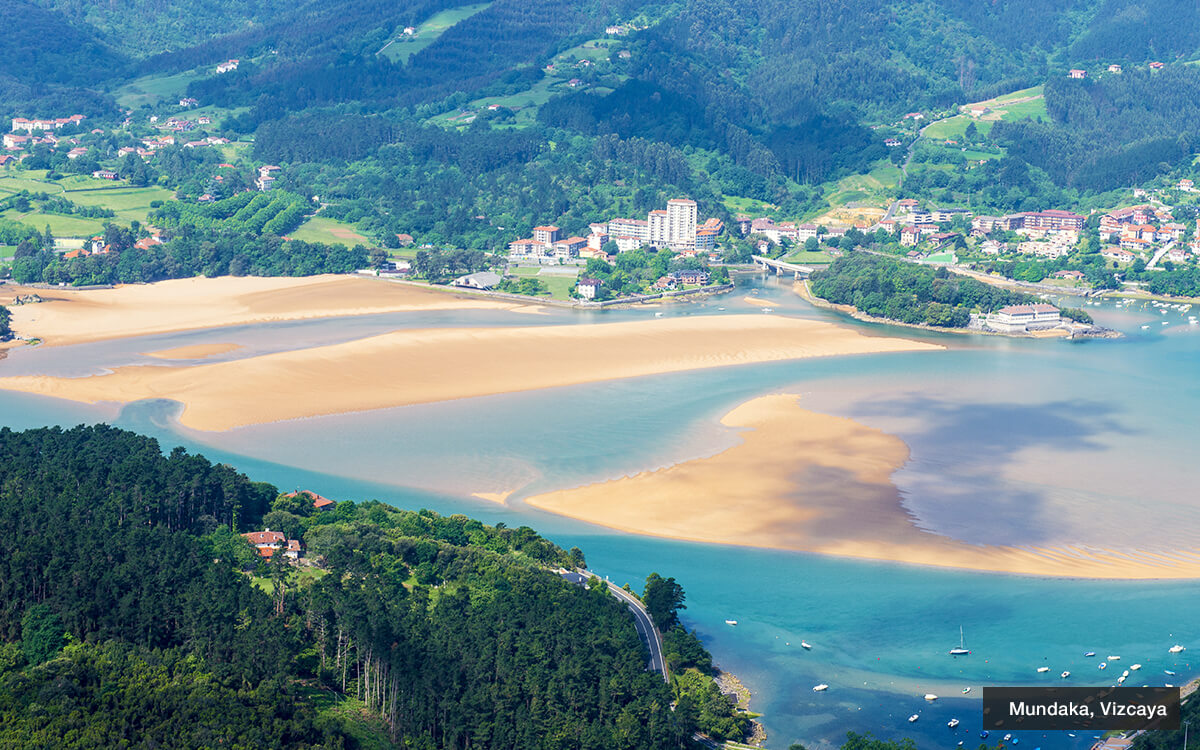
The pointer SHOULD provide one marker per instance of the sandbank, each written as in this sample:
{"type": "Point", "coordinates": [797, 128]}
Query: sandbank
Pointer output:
{"type": "Point", "coordinates": [196, 351]}
{"type": "Point", "coordinates": [421, 366]}
{"type": "Point", "coordinates": [805, 481]}
{"type": "Point", "coordinates": [76, 316]}
{"type": "Point", "coordinates": [493, 497]}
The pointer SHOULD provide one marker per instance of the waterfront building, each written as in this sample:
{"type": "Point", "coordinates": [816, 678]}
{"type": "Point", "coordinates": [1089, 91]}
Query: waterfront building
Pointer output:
{"type": "Point", "coordinates": [1024, 318]}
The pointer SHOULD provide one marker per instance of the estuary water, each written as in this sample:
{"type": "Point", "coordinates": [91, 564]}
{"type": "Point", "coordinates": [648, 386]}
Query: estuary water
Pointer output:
{"type": "Point", "coordinates": [1020, 442]}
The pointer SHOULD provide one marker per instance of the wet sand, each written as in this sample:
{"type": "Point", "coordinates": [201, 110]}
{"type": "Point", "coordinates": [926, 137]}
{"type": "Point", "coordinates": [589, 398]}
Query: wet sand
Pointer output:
{"type": "Point", "coordinates": [76, 316]}
{"type": "Point", "coordinates": [812, 482]}
{"type": "Point", "coordinates": [197, 351]}
{"type": "Point", "coordinates": [422, 366]}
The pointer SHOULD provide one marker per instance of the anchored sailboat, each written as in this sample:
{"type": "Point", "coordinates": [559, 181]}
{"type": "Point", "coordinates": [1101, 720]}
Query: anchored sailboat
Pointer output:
{"type": "Point", "coordinates": [961, 650]}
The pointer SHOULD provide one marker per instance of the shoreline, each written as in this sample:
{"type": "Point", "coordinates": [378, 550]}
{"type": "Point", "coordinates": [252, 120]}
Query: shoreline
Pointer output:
{"type": "Point", "coordinates": [68, 316]}
{"type": "Point", "coordinates": [413, 366]}
{"type": "Point", "coordinates": [802, 289]}
{"type": "Point", "coordinates": [837, 500]}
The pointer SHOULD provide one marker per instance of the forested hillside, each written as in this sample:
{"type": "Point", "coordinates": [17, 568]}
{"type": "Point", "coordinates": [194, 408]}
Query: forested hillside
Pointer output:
{"type": "Point", "coordinates": [1118, 130]}
{"type": "Point", "coordinates": [126, 617]}
{"type": "Point", "coordinates": [909, 293]}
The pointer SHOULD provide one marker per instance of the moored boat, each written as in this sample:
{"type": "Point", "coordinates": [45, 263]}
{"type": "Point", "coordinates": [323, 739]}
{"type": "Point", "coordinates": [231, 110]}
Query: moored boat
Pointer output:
{"type": "Point", "coordinates": [820, 688]}
{"type": "Point", "coordinates": [952, 723]}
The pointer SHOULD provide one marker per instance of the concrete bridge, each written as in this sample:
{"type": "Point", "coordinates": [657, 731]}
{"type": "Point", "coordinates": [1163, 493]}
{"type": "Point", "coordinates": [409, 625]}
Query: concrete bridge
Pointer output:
{"type": "Point", "coordinates": [781, 267]}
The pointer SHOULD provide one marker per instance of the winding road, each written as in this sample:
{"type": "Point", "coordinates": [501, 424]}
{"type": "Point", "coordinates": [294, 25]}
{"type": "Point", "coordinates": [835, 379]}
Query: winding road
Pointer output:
{"type": "Point", "coordinates": [641, 620]}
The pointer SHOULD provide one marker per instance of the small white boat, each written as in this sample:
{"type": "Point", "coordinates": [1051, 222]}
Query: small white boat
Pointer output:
{"type": "Point", "coordinates": [1065, 674]}
{"type": "Point", "coordinates": [913, 718]}
{"type": "Point", "coordinates": [930, 697]}
{"type": "Point", "coordinates": [966, 690]}
{"type": "Point", "coordinates": [952, 723]}
{"type": "Point", "coordinates": [768, 310]}
{"type": "Point", "coordinates": [1047, 669]}
{"type": "Point", "coordinates": [1103, 665]}
{"type": "Point", "coordinates": [1007, 737]}
{"type": "Point", "coordinates": [1145, 327]}
{"type": "Point", "coordinates": [1090, 654]}
{"type": "Point", "coordinates": [1125, 673]}
{"type": "Point", "coordinates": [1167, 671]}
{"type": "Point", "coordinates": [1135, 666]}
{"type": "Point", "coordinates": [1176, 649]}
{"type": "Point", "coordinates": [1121, 680]}
{"type": "Point", "coordinates": [806, 645]}
{"type": "Point", "coordinates": [1113, 658]}
{"type": "Point", "coordinates": [1167, 684]}
{"type": "Point", "coordinates": [820, 688]}
{"type": "Point", "coordinates": [731, 622]}
{"type": "Point", "coordinates": [658, 315]}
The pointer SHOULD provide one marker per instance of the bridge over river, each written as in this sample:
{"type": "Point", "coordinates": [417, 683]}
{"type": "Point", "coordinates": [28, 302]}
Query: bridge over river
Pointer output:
{"type": "Point", "coordinates": [781, 267]}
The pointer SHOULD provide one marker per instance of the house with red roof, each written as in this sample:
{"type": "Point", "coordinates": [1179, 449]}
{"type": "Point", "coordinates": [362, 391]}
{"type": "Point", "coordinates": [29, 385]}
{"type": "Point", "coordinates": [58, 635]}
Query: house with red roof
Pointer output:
{"type": "Point", "coordinates": [320, 503]}
{"type": "Point", "coordinates": [267, 542]}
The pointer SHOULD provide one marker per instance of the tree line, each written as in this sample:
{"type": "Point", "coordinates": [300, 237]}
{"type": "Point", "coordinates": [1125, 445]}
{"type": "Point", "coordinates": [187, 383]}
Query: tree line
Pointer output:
{"type": "Point", "coordinates": [125, 614]}
{"type": "Point", "coordinates": [909, 293]}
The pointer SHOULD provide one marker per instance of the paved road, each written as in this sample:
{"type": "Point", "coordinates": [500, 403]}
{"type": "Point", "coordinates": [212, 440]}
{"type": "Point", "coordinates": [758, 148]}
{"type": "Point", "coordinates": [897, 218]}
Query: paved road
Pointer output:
{"type": "Point", "coordinates": [641, 620]}
{"type": "Point", "coordinates": [1161, 252]}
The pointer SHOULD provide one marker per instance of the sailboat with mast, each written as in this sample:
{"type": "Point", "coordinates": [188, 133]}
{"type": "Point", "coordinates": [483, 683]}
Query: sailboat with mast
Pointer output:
{"type": "Point", "coordinates": [961, 650]}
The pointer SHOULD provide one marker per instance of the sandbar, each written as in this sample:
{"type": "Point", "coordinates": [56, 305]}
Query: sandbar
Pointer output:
{"type": "Point", "coordinates": [426, 365]}
{"type": "Point", "coordinates": [812, 482]}
{"type": "Point", "coordinates": [77, 316]}
{"type": "Point", "coordinates": [195, 351]}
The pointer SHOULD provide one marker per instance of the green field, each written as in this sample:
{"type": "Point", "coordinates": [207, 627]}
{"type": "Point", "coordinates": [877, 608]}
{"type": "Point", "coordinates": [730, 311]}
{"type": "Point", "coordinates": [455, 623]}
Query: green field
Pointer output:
{"type": "Point", "coordinates": [560, 286]}
{"type": "Point", "coordinates": [329, 231]}
{"type": "Point", "coordinates": [155, 89]}
{"type": "Point", "coordinates": [6, 251]}
{"type": "Point", "coordinates": [130, 204]}
{"type": "Point", "coordinates": [946, 257]}
{"type": "Point", "coordinates": [953, 127]}
{"type": "Point", "coordinates": [526, 102]}
{"type": "Point", "coordinates": [749, 206]}
{"type": "Point", "coordinates": [60, 226]}
{"type": "Point", "coordinates": [404, 47]}
{"type": "Point", "coordinates": [803, 256]}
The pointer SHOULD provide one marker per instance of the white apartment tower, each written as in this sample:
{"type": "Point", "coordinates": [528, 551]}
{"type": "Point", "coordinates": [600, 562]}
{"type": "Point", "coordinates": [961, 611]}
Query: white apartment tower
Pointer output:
{"type": "Point", "coordinates": [659, 228]}
{"type": "Point", "coordinates": [681, 223]}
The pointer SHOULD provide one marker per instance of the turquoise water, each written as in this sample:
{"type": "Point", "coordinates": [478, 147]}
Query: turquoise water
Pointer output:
{"type": "Point", "coordinates": [1013, 442]}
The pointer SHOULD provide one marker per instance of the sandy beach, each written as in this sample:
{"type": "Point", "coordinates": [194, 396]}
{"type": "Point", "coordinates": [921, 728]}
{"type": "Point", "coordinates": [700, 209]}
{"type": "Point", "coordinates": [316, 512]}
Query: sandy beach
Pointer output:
{"type": "Point", "coordinates": [812, 482]}
{"type": "Point", "coordinates": [421, 366]}
{"type": "Point", "coordinates": [77, 316]}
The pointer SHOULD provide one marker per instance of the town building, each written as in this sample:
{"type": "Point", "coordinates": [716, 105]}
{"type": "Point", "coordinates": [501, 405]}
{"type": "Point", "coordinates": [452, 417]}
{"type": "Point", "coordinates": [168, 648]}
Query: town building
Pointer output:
{"type": "Point", "coordinates": [1024, 318]}
{"type": "Point", "coordinates": [681, 223]}
{"type": "Point", "coordinates": [657, 222]}
{"type": "Point", "coordinates": [1118, 254]}
{"type": "Point", "coordinates": [1077, 73]}
{"type": "Point", "coordinates": [1114, 68]}
{"type": "Point", "coordinates": [629, 229]}
{"type": "Point", "coordinates": [479, 280]}
{"type": "Point", "coordinates": [546, 235]}
{"type": "Point", "coordinates": [228, 66]}
{"type": "Point", "coordinates": [20, 123]}
{"type": "Point", "coordinates": [1053, 221]}
{"type": "Point", "coordinates": [588, 288]}
{"type": "Point", "coordinates": [909, 236]}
